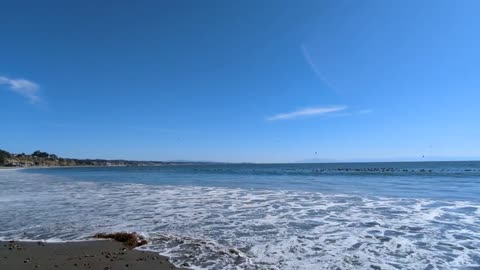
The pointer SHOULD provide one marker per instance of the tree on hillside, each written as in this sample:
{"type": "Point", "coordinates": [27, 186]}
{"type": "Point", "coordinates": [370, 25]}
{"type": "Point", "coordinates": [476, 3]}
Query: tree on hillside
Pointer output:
{"type": "Point", "coordinates": [4, 155]}
{"type": "Point", "coordinates": [41, 154]}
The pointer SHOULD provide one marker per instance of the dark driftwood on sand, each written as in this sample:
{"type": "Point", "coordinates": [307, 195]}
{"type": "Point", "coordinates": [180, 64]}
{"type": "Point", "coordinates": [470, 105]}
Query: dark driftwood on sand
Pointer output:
{"type": "Point", "coordinates": [131, 240]}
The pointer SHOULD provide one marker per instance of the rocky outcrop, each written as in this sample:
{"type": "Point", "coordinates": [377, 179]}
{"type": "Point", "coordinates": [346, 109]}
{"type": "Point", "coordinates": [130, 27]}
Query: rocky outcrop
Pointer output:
{"type": "Point", "coordinates": [131, 240]}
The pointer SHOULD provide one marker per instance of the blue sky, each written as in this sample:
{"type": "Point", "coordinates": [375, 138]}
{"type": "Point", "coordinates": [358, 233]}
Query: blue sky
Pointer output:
{"type": "Point", "coordinates": [261, 81]}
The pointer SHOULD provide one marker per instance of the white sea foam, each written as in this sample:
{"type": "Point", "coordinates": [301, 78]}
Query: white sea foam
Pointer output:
{"type": "Point", "coordinates": [224, 228]}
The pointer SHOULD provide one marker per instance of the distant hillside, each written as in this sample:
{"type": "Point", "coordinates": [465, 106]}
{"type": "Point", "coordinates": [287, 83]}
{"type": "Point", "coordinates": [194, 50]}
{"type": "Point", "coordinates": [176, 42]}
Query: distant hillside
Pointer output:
{"type": "Point", "coordinates": [44, 159]}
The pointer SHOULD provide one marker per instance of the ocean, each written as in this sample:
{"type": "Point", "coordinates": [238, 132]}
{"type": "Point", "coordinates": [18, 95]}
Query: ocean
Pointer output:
{"type": "Point", "coordinates": [422, 215]}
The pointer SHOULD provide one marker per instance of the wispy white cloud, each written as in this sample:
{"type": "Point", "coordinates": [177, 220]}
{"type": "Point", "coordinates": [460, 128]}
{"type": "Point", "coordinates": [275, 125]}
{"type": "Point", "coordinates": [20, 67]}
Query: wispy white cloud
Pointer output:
{"type": "Point", "coordinates": [22, 87]}
{"type": "Point", "coordinates": [306, 112]}
{"type": "Point", "coordinates": [314, 67]}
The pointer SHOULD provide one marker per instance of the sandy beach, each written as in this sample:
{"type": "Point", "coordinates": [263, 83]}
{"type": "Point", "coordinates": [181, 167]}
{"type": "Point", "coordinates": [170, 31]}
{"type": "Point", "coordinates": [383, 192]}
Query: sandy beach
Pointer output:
{"type": "Point", "coordinates": [103, 255]}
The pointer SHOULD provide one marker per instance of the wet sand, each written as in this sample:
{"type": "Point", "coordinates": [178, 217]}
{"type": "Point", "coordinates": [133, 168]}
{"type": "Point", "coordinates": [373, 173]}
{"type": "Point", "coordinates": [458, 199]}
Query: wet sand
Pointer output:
{"type": "Point", "coordinates": [103, 255]}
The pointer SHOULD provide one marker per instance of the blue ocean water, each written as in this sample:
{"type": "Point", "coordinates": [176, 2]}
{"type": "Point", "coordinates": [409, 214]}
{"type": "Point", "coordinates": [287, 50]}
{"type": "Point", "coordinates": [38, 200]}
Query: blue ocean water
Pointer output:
{"type": "Point", "coordinates": [435, 180]}
{"type": "Point", "coordinates": [423, 215]}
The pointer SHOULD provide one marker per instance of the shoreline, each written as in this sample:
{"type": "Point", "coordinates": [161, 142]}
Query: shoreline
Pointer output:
{"type": "Point", "coordinates": [100, 166]}
{"type": "Point", "coordinates": [75, 255]}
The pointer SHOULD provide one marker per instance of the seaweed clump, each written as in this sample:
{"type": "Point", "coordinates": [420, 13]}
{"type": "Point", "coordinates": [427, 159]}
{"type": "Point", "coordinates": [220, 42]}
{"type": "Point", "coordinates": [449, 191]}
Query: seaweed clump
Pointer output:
{"type": "Point", "coordinates": [131, 240]}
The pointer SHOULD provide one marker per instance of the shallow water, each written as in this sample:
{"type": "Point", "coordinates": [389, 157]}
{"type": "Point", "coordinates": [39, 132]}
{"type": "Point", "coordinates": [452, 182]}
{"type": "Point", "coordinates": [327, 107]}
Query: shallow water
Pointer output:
{"type": "Point", "coordinates": [294, 216]}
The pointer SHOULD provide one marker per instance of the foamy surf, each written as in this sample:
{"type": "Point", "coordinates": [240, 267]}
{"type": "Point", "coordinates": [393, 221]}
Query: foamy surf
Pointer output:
{"type": "Point", "coordinates": [232, 228]}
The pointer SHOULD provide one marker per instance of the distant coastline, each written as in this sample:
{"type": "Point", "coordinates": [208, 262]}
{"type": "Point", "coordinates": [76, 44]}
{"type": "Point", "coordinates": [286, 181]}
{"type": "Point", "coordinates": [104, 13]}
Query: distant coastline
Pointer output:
{"type": "Point", "coordinates": [39, 159]}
